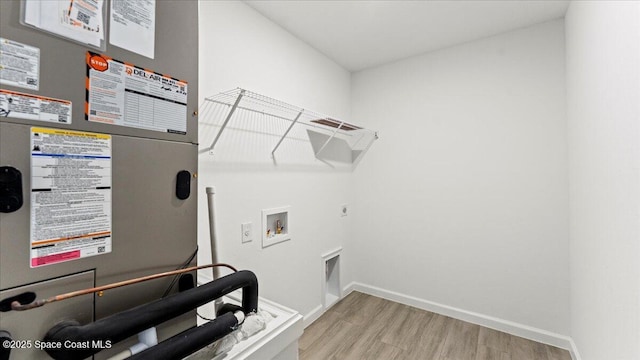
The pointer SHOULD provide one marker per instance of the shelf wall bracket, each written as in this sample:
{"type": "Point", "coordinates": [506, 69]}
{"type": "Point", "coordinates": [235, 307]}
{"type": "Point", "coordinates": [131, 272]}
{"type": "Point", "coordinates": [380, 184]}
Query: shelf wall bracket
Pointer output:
{"type": "Point", "coordinates": [226, 121]}
{"type": "Point", "coordinates": [329, 139]}
{"type": "Point", "coordinates": [286, 132]}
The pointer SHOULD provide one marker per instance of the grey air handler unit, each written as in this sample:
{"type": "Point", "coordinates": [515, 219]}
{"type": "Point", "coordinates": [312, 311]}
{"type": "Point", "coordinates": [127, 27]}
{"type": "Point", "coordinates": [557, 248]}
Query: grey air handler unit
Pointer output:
{"type": "Point", "coordinates": [98, 166]}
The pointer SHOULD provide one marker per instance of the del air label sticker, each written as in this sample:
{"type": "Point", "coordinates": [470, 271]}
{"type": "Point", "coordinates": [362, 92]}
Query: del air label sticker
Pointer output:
{"type": "Point", "coordinates": [34, 107]}
{"type": "Point", "coordinates": [70, 195]}
{"type": "Point", "coordinates": [123, 94]}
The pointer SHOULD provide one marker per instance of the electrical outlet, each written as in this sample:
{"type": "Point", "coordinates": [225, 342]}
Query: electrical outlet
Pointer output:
{"type": "Point", "coordinates": [247, 232]}
{"type": "Point", "coordinates": [344, 210]}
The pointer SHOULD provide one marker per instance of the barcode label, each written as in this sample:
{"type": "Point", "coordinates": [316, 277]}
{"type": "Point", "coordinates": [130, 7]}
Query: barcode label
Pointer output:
{"type": "Point", "coordinates": [84, 17]}
{"type": "Point", "coordinates": [101, 249]}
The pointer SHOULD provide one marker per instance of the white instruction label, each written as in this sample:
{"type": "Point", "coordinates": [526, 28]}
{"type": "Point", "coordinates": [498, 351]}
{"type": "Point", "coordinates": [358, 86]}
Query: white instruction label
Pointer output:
{"type": "Point", "coordinates": [133, 26]}
{"type": "Point", "coordinates": [34, 107]}
{"type": "Point", "coordinates": [70, 195]}
{"type": "Point", "coordinates": [19, 64]}
{"type": "Point", "coordinates": [123, 94]}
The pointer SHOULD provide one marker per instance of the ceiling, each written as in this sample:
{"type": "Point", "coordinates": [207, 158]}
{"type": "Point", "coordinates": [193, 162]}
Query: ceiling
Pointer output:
{"type": "Point", "coordinates": [362, 34]}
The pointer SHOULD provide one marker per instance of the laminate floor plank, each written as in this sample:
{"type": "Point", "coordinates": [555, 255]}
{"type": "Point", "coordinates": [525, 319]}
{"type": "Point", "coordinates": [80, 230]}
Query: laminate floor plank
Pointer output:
{"type": "Point", "coordinates": [430, 345]}
{"type": "Point", "coordinates": [364, 310]}
{"type": "Point", "coordinates": [341, 335]}
{"type": "Point", "coordinates": [346, 304]}
{"type": "Point", "coordinates": [523, 349]}
{"type": "Point", "coordinates": [362, 326]}
{"type": "Point", "coordinates": [555, 353]}
{"type": "Point", "coordinates": [488, 353]}
{"type": "Point", "coordinates": [392, 333]}
{"type": "Point", "coordinates": [318, 329]}
{"type": "Point", "coordinates": [494, 339]}
{"type": "Point", "coordinates": [369, 334]}
{"type": "Point", "coordinates": [380, 350]}
{"type": "Point", "coordinates": [413, 328]}
{"type": "Point", "coordinates": [462, 341]}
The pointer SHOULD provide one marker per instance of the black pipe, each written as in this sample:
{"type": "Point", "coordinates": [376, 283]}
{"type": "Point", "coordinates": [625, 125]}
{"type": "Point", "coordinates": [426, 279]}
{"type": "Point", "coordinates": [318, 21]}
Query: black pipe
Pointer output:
{"type": "Point", "coordinates": [5, 348]}
{"type": "Point", "coordinates": [80, 341]}
{"type": "Point", "coordinates": [190, 341]}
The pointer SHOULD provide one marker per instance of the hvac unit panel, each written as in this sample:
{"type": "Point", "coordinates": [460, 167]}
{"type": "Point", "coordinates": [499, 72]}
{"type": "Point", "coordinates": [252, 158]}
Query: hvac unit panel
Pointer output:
{"type": "Point", "coordinates": [153, 231]}
{"type": "Point", "coordinates": [32, 325]}
{"type": "Point", "coordinates": [150, 224]}
{"type": "Point", "coordinates": [63, 65]}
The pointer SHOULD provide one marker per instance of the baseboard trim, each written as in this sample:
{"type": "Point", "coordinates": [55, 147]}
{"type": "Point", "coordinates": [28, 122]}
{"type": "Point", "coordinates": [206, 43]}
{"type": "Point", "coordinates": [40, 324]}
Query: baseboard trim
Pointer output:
{"type": "Point", "coordinates": [312, 316]}
{"type": "Point", "coordinates": [575, 355]}
{"type": "Point", "coordinates": [510, 327]}
{"type": "Point", "coordinates": [348, 289]}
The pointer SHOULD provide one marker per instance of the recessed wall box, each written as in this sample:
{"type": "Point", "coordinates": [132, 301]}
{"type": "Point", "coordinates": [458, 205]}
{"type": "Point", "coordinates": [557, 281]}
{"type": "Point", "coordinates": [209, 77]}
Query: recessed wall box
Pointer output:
{"type": "Point", "coordinates": [331, 290]}
{"type": "Point", "coordinates": [275, 225]}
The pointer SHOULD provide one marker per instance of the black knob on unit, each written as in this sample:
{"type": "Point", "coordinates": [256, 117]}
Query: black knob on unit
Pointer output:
{"type": "Point", "coordinates": [183, 185]}
{"type": "Point", "coordinates": [11, 198]}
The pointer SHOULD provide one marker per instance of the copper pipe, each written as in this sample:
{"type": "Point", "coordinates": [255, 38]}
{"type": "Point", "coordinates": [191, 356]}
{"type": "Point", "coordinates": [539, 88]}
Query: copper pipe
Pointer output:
{"type": "Point", "coordinates": [38, 303]}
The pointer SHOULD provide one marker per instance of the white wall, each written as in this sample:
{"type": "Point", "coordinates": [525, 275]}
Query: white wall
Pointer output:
{"type": "Point", "coordinates": [464, 199]}
{"type": "Point", "coordinates": [240, 48]}
{"type": "Point", "coordinates": [603, 105]}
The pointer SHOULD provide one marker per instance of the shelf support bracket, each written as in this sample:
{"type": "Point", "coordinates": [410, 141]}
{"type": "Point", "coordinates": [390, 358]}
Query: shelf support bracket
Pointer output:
{"type": "Point", "coordinates": [226, 121]}
{"type": "Point", "coordinates": [286, 132]}
{"type": "Point", "coordinates": [329, 139]}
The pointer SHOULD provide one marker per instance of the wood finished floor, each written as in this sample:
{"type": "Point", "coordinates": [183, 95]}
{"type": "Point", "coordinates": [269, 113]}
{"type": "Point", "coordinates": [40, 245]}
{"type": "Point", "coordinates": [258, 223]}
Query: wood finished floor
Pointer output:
{"type": "Point", "coordinates": [362, 326]}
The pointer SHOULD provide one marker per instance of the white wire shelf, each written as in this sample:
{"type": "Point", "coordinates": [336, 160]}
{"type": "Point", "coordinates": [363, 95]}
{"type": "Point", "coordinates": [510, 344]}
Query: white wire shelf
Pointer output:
{"type": "Point", "coordinates": [326, 134]}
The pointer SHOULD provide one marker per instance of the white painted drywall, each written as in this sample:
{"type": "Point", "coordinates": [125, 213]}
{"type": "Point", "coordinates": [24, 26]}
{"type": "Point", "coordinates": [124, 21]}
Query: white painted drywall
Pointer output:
{"type": "Point", "coordinates": [240, 48]}
{"type": "Point", "coordinates": [464, 199]}
{"type": "Point", "coordinates": [603, 106]}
